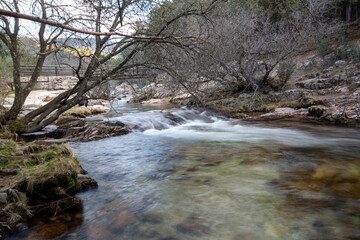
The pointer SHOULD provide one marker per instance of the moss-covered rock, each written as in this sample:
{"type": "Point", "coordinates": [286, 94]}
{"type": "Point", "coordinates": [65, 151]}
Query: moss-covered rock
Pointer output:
{"type": "Point", "coordinates": [308, 101]}
{"type": "Point", "coordinates": [316, 111]}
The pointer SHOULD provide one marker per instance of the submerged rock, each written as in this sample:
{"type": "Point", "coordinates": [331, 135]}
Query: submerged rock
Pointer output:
{"type": "Point", "coordinates": [123, 220]}
{"type": "Point", "coordinates": [96, 232]}
{"type": "Point", "coordinates": [49, 231]}
{"type": "Point", "coordinates": [193, 228]}
{"type": "Point", "coordinates": [243, 236]}
{"type": "Point", "coordinates": [150, 218]}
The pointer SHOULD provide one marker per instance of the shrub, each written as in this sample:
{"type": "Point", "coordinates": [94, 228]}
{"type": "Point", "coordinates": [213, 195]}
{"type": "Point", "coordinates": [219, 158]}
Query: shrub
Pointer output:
{"type": "Point", "coordinates": [324, 47]}
{"type": "Point", "coordinates": [286, 69]}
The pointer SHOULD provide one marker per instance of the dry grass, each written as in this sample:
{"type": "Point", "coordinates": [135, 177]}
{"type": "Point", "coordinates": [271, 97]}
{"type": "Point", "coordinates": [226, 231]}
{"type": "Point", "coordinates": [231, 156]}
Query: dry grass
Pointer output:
{"type": "Point", "coordinates": [37, 164]}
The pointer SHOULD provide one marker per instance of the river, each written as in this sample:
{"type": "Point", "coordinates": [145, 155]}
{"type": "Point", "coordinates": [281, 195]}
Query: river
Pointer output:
{"type": "Point", "coordinates": [188, 174]}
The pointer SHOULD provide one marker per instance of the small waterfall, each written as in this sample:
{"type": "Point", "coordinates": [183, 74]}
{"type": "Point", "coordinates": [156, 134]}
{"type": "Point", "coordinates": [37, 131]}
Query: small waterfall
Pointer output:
{"type": "Point", "coordinates": [163, 119]}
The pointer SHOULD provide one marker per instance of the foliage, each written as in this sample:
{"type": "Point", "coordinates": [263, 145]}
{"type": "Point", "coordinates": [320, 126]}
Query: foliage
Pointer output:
{"type": "Point", "coordinates": [324, 47]}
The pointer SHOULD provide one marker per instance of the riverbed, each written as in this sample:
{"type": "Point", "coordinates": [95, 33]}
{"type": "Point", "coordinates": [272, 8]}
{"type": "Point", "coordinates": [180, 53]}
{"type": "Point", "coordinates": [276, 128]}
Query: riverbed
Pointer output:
{"type": "Point", "coordinates": [190, 174]}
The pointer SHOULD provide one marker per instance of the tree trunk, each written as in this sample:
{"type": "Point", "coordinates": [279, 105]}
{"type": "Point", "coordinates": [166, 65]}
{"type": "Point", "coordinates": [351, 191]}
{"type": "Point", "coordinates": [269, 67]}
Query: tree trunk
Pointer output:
{"type": "Point", "coordinates": [19, 96]}
{"type": "Point", "coordinates": [348, 12]}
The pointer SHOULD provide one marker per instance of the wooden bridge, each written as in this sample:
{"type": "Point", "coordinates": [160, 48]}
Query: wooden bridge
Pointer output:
{"type": "Point", "coordinates": [139, 73]}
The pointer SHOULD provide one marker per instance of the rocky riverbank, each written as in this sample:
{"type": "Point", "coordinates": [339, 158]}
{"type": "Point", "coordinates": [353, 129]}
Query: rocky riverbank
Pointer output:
{"type": "Point", "coordinates": [37, 179]}
{"type": "Point", "coordinates": [330, 95]}
{"type": "Point", "coordinates": [317, 92]}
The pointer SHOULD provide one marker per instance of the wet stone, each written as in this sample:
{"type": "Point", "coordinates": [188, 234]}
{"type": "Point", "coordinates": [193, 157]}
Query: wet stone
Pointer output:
{"type": "Point", "coordinates": [49, 231]}
{"type": "Point", "coordinates": [96, 232]}
{"type": "Point", "coordinates": [86, 181]}
{"type": "Point", "coordinates": [131, 204]}
{"type": "Point", "coordinates": [150, 218]}
{"type": "Point", "coordinates": [243, 236]}
{"type": "Point", "coordinates": [192, 228]}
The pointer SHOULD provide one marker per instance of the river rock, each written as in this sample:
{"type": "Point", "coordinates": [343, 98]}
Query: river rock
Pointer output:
{"type": "Point", "coordinates": [123, 220]}
{"type": "Point", "coordinates": [96, 232]}
{"type": "Point", "coordinates": [49, 231]}
{"type": "Point", "coordinates": [150, 218]}
{"type": "Point", "coordinates": [193, 228]}
{"type": "Point", "coordinates": [86, 181]}
{"type": "Point", "coordinates": [243, 236]}
{"type": "Point", "coordinates": [127, 203]}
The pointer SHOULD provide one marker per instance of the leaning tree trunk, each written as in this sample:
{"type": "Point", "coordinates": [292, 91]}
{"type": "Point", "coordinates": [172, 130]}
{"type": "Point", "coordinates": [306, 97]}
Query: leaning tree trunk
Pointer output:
{"type": "Point", "coordinates": [348, 12]}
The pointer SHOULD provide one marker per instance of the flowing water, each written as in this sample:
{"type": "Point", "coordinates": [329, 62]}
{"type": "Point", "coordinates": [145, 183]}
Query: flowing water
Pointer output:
{"type": "Point", "coordinates": [187, 174]}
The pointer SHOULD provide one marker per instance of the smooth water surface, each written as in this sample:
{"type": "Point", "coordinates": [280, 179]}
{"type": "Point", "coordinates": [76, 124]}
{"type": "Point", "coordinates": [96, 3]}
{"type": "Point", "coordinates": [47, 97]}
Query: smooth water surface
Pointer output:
{"type": "Point", "coordinates": [185, 174]}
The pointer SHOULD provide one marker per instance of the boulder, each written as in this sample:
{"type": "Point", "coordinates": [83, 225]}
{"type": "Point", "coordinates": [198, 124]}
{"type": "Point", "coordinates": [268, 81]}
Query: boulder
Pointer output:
{"type": "Point", "coordinates": [340, 63]}
{"type": "Point", "coordinates": [86, 181]}
{"type": "Point", "coordinates": [308, 64]}
{"type": "Point", "coordinates": [314, 84]}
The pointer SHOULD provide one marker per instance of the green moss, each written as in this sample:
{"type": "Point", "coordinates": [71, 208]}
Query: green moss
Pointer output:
{"type": "Point", "coordinates": [243, 108]}
{"type": "Point", "coordinates": [308, 101]}
{"type": "Point", "coordinates": [31, 162]}
{"type": "Point", "coordinates": [267, 107]}
{"type": "Point", "coordinates": [8, 149]}
{"type": "Point", "coordinates": [16, 125]}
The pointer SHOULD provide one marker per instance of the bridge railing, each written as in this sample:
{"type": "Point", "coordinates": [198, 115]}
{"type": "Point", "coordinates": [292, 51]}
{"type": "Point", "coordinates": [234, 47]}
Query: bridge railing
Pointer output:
{"type": "Point", "coordinates": [64, 70]}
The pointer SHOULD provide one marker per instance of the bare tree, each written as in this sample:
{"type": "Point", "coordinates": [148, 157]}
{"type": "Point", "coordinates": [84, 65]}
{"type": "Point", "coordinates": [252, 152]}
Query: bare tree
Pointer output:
{"type": "Point", "coordinates": [111, 34]}
{"type": "Point", "coordinates": [46, 37]}
{"type": "Point", "coordinates": [244, 44]}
